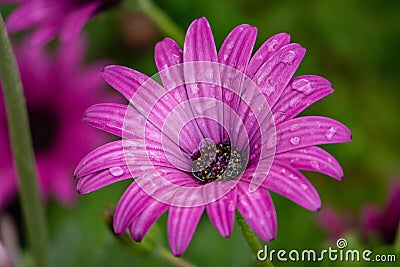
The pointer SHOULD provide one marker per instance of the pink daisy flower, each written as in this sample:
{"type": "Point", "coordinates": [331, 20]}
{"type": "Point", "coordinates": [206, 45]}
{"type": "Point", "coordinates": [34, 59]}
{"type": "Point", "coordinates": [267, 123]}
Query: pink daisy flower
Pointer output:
{"type": "Point", "coordinates": [219, 135]}
{"type": "Point", "coordinates": [58, 88]}
{"type": "Point", "coordinates": [51, 18]}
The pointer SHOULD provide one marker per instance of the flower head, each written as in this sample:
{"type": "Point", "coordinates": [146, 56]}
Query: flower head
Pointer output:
{"type": "Point", "coordinates": [217, 136]}
{"type": "Point", "coordinates": [52, 18]}
{"type": "Point", "coordinates": [58, 88]}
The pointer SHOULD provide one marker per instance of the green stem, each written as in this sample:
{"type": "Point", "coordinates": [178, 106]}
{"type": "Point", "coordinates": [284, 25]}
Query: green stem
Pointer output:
{"type": "Point", "coordinates": [251, 238]}
{"type": "Point", "coordinates": [164, 254]}
{"type": "Point", "coordinates": [21, 144]}
{"type": "Point", "coordinates": [161, 19]}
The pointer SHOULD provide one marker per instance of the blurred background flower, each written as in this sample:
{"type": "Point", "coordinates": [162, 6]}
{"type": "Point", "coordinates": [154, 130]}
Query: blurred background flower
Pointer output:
{"type": "Point", "coordinates": [51, 18]}
{"type": "Point", "coordinates": [58, 88]}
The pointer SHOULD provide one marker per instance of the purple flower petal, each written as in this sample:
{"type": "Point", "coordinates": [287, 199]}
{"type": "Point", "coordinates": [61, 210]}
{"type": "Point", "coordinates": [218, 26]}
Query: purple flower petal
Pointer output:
{"type": "Point", "coordinates": [266, 50]}
{"type": "Point", "coordinates": [235, 52]}
{"type": "Point", "coordinates": [127, 81]}
{"type": "Point", "coordinates": [222, 212]}
{"type": "Point", "coordinates": [200, 47]}
{"type": "Point", "coordinates": [314, 159]}
{"type": "Point", "coordinates": [168, 54]}
{"type": "Point", "coordinates": [258, 210]}
{"type": "Point", "coordinates": [274, 75]}
{"type": "Point", "coordinates": [25, 16]}
{"type": "Point", "coordinates": [290, 183]}
{"type": "Point", "coordinates": [237, 48]}
{"type": "Point", "coordinates": [142, 223]}
{"type": "Point", "coordinates": [146, 188]}
{"type": "Point", "coordinates": [301, 92]}
{"type": "Point", "coordinates": [309, 131]}
{"type": "Point", "coordinates": [97, 180]}
{"type": "Point", "coordinates": [74, 23]}
{"type": "Point", "coordinates": [108, 117]}
{"type": "Point", "coordinates": [182, 223]}
{"type": "Point", "coordinates": [132, 202]}
{"type": "Point", "coordinates": [104, 157]}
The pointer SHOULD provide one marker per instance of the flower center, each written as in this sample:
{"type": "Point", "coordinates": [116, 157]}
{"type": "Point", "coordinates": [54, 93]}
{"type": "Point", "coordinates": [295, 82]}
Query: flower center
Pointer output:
{"type": "Point", "coordinates": [218, 162]}
{"type": "Point", "coordinates": [44, 126]}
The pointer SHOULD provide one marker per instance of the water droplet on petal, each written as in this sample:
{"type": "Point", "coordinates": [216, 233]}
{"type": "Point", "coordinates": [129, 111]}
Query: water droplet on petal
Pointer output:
{"type": "Point", "coordinates": [288, 57]}
{"type": "Point", "coordinates": [116, 171]}
{"type": "Point", "coordinates": [228, 96]}
{"type": "Point", "coordinates": [209, 74]}
{"type": "Point", "coordinates": [295, 140]}
{"type": "Point", "coordinates": [231, 206]}
{"type": "Point", "coordinates": [230, 45]}
{"type": "Point", "coordinates": [272, 45]}
{"type": "Point", "coordinates": [194, 88]}
{"type": "Point", "coordinates": [315, 164]}
{"type": "Point", "coordinates": [269, 88]}
{"type": "Point", "coordinates": [304, 187]}
{"type": "Point", "coordinates": [283, 171]}
{"type": "Point", "coordinates": [294, 127]}
{"type": "Point", "coordinates": [303, 86]}
{"type": "Point", "coordinates": [279, 116]}
{"type": "Point", "coordinates": [232, 75]}
{"type": "Point", "coordinates": [330, 133]}
{"type": "Point", "coordinates": [294, 101]}
{"type": "Point", "coordinates": [225, 57]}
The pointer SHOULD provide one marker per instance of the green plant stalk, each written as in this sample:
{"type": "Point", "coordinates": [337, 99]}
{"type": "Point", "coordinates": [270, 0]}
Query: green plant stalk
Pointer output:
{"type": "Point", "coordinates": [21, 143]}
{"type": "Point", "coordinates": [251, 238]}
{"type": "Point", "coordinates": [165, 255]}
{"type": "Point", "coordinates": [162, 21]}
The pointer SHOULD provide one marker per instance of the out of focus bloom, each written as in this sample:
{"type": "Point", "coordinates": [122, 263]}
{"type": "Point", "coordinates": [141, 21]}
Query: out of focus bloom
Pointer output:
{"type": "Point", "coordinates": [373, 222]}
{"type": "Point", "coordinates": [51, 18]}
{"type": "Point", "coordinates": [383, 223]}
{"type": "Point", "coordinates": [219, 135]}
{"type": "Point", "coordinates": [58, 88]}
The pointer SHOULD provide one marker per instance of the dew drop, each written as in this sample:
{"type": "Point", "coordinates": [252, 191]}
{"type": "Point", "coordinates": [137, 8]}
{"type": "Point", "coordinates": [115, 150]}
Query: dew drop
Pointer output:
{"type": "Point", "coordinates": [315, 164]}
{"type": "Point", "coordinates": [194, 88]}
{"type": "Point", "coordinates": [116, 171]}
{"type": "Point", "coordinates": [232, 74]}
{"type": "Point", "coordinates": [269, 89]}
{"type": "Point", "coordinates": [209, 74]}
{"type": "Point", "coordinates": [303, 86]}
{"type": "Point", "coordinates": [283, 171]}
{"type": "Point", "coordinates": [295, 140]}
{"type": "Point", "coordinates": [294, 101]}
{"type": "Point", "coordinates": [279, 116]}
{"type": "Point", "coordinates": [273, 45]}
{"type": "Point", "coordinates": [228, 95]}
{"type": "Point", "coordinates": [304, 187]}
{"type": "Point", "coordinates": [288, 57]}
{"type": "Point", "coordinates": [294, 127]}
{"type": "Point", "coordinates": [225, 57]}
{"type": "Point", "coordinates": [231, 206]}
{"type": "Point", "coordinates": [230, 45]}
{"type": "Point", "coordinates": [253, 157]}
{"type": "Point", "coordinates": [330, 133]}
